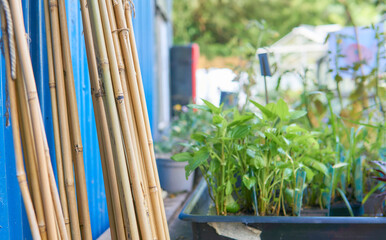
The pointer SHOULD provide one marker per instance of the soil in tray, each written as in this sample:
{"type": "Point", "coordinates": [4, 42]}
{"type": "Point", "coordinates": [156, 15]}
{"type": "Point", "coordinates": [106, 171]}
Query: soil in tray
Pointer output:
{"type": "Point", "coordinates": [340, 209]}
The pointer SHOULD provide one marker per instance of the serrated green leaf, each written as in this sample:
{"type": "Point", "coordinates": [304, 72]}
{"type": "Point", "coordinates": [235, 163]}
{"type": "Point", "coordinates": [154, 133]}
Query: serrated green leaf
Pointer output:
{"type": "Point", "coordinates": [212, 107]}
{"type": "Point", "coordinates": [239, 131]}
{"type": "Point", "coordinates": [267, 113]}
{"type": "Point", "coordinates": [199, 158]}
{"type": "Point", "coordinates": [217, 119]}
{"type": "Point", "coordinates": [240, 120]}
{"type": "Point", "coordinates": [275, 139]}
{"type": "Point", "coordinates": [259, 162]}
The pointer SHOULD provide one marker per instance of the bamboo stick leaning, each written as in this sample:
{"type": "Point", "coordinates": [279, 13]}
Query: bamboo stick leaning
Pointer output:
{"type": "Point", "coordinates": [63, 119]}
{"type": "Point", "coordinates": [38, 132]}
{"type": "Point", "coordinates": [129, 9]}
{"type": "Point", "coordinates": [76, 139]}
{"type": "Point", "coordinates": [55, 121]}
{"type": "Point", "coordinates": [20, 170]}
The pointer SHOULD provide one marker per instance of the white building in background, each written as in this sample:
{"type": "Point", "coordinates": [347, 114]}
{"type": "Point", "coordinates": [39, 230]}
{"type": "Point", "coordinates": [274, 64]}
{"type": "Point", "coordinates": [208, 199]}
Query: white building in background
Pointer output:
{"type": "Point", "coordinates": [305, 47]}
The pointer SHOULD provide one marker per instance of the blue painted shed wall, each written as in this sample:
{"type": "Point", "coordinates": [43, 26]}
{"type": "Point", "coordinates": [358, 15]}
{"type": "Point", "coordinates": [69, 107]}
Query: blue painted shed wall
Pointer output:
{"type": "Point", "coordinates": [13, 221]}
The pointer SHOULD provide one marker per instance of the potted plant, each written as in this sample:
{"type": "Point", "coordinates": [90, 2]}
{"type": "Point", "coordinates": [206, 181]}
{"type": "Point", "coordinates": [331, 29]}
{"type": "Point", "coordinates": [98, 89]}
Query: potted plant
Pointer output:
{"type": "Point", "coordinates": [175, 140]}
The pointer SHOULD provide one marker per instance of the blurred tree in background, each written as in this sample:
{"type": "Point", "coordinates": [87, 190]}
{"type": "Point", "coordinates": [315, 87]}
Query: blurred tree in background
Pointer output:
{"type": "Point", "coordinates": [219, 26]}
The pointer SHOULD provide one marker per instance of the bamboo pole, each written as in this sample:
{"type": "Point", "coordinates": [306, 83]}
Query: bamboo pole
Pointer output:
{"type": "Point", "coordinates": [33, 101]}
{"type": "Point", "coordinates": [63, 120]}
{"type": "Point", "coordinates": [112, 117]}
{"type": "Point", "coordinates": [129, 111]}
{"type": "Point", "coordinates": [104, 138]}
{"type": "Point", "coordinates": [55, 121]}
{"type": "Point", "coordinates": [85, 223]}
{"type": "Point", "coordinates": [128, 14]}
{"type": "Point", "coordinates": [30, 152]}
{"type": "Point", "coordinates": [20, 172]}
{"type": "Point", "coordinates": [153, 188]}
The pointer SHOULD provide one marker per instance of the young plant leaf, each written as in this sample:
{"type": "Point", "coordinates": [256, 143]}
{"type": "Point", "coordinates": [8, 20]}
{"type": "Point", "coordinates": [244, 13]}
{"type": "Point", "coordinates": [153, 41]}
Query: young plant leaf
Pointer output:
{"type": "Point", "coordinates": [217, 119]}
{"type": "Point", "coordinates": [267, 113]}
{"type": "Point", "coordinates": [212, 107]}
{"type": "Point", "coordinates": [282, 109]}
{"type": "Point", "coordinates": [182, 157]}
{"type": "Point", "coordinates": [239, 131]}
{"type": "Point", "coordinates": [249, 182]}
{"type": "Point", "coordinates": [231, 205]}
{"type": "Point", "coordinates": [199, 107]}
{"type": "Point", "coordinates": [317, 165]}
{"type": "Point", "coordinates": [229, 188]}
{"type": "Point", "coordinates": [199, 136]}
{"type": "Point", "coordinates": [297, 114]}
{"type": "Point", "coordinates": [200, 157]}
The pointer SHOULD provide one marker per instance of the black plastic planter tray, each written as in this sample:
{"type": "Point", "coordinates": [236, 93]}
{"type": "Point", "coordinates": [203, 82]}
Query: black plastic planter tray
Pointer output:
{"type": "Point", "coordinates": [296, 228]}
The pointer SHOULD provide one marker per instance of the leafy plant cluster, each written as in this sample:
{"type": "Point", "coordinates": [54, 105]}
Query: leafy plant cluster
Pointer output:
{"type": "Point", "coordinates": [259, 163]}
{"type": "Point", "coordinates": [176, 137]}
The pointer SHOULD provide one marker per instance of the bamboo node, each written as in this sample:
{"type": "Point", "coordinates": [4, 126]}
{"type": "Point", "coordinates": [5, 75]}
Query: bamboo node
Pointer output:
{"type": "Point", "coordinates": [120, 30]}
{"type": "Point", "coordinates": [121, 68]}
{"type": "Point", "coordinates": [69, 183]}
{"type": "Point", "coordinates": [42, 227]}
{"type": "Point", "coordinates": [100, 93]}
{"type": "Point", "coordinates": [153, 189]}
{"type": "Point", "coordinates": [103, 61]}
{"type": "Point", "coordinates": [120, 98]}
{"type": "Point", "coordinates": [78, 148]}
{"type": "Point", "coordinates": [53, 3]}
{"type": "Point", "coordinates": [115, 2]}
{"type": "Point", "coordinates": [32, 95]}
{"type": "Point", "coordinates": [21, 177]}
{"type": "Point", "coordinates": [52, 84]}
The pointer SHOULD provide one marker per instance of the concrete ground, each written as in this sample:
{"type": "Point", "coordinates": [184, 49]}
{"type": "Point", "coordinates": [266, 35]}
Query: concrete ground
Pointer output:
{"type": "Point", "coordinates": [179, 230]}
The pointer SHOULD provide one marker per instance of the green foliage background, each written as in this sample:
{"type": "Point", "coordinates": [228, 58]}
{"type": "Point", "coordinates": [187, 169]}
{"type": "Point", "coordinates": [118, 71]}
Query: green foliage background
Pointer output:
{"type": "Point", "coordinates": [220, 26]}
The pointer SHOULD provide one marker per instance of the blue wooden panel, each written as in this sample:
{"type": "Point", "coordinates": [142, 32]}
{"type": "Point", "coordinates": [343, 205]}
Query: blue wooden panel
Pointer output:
{"type": "Point", "coordinates": [13, 221]}
{"type": "Point", "coordinates": [144, 35]}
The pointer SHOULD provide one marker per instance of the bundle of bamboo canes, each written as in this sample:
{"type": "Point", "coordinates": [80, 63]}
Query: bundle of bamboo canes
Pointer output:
{"type": "Point", "coordinates": [51, 216]}
{"type": "Point", "coordinates": [132, 186]}
{"type": "Point", "coordinates": [40, 194]}
{"type": "Point", "coordinates": [134, 201]}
